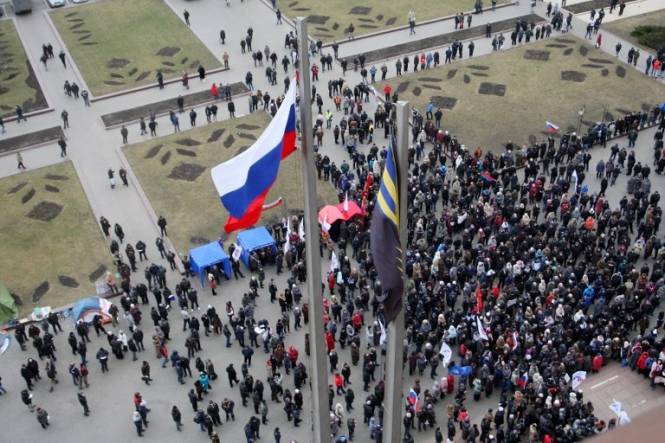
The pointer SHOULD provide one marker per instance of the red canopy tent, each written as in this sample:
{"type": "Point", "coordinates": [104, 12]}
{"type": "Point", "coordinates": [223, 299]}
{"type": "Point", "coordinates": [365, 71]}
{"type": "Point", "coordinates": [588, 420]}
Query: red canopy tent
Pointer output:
{"type": "Point", "coordinates": [332, 213]}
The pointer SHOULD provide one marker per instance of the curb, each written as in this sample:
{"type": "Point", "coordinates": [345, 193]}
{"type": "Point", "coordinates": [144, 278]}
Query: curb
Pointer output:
{"type": "Point", "coordinates": [162, 114]}
{"type": "Point", "coordinates": [30, 114]}
{"type": "Point", "coordinates": [27, 148]}
{"type": "Point", "coordinates": [152, 85]}
{"type": "Point", "coordinates": [424, 22]}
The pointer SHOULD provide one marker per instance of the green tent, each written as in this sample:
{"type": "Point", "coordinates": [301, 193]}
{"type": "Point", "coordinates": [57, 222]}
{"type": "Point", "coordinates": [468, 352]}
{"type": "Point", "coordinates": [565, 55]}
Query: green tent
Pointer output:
{"type": "Point", "coordinates": [8, 309]}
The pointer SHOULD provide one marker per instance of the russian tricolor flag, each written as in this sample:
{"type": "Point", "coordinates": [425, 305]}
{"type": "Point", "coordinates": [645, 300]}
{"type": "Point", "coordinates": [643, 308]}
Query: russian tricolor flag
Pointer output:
{"type": "Point", "coordinates": [244, 181]}
{"type": "Point", "coordinates": [551, 127]}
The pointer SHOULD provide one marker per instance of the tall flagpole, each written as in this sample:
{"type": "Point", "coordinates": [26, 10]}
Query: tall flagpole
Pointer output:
{"type": "Point", "coordinates": [318, 373]}
{"type": "Point", "coordinates": [393, 404]}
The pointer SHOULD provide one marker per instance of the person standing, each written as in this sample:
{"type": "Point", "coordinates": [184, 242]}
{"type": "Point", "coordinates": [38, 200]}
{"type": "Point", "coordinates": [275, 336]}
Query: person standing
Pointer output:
{"type": "Point", "coordinates": [19, 160]}
{"type": "Point", "coordinates": [124, 132]}
{"type": "Point", "coordinates": [86, 97]}
{"type": "Point", "coordinates": [186, 15]}
{"type": "Point", "coordinates": [19, 114]}
{"type": "Point", "coordinates": [177, 417]}
{"type": "Point", "coordinates": [136, 418]}
{"type": "Point", "coordinates": [65, 118]}
{"type": "Point", "coordinates": [160, 79]}
{"type": "Point", "coordinates": [161, 222]}
{"type": "Point", "coordinates": [43, 418]}
{"type": "Point", "coordinates": [84, 403]}
{"type": "Point", "coordinates": [63, 147]}
{"type": "Point", "coordinates": [2, 125]}
{"type": "Point", "coordinates": [122, 172]}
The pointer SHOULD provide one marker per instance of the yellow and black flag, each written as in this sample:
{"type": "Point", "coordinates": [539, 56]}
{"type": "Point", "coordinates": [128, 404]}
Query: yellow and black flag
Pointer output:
{"type": "Point", "coordinates": [384, 238]}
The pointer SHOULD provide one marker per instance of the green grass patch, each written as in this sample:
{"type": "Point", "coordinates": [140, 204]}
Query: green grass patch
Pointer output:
{"type": "Point", "coordinates": [645, 30]}
{"type": "Point", "coordinates": [48, 234]}
{"type": "Point", "coordinates": [650, 36]}
{"type": "Point", "coordinates": [18, 84]}
{"type": "Point", "coordinates": [121, 44]}
{"type": "Point", "coordinates": [175, 174]}
{"type": "Point", "coordinates": [490, 100]}
{"type": "Point", "coordinates": [329, 19]}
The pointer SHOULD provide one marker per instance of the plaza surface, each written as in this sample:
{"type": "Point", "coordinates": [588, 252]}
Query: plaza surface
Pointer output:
{"type": "Point", "coordinates": [93, 149]}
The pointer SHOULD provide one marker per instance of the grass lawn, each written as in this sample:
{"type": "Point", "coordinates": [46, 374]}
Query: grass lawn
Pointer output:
{"type": "Point", "coordinates": [18, 84]}
{"type": "Point", "coordinates": [175, 173]}
{"type": "Point", "coordinates": [121, 44]}
{"type": "Point", "coordinates": [329, 19]}
{"type": "Point", "coordinates": [490, 100]}
{"type": "Point", "coordinates": [49, 238]}
{"type": "Point", "coordinates": [623, 27]}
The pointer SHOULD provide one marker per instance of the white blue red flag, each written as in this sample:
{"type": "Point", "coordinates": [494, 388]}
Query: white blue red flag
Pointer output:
{"type": "Point", "coordinates": [244, 181]}
{"type": "Point", "coordinates": [551, 127]}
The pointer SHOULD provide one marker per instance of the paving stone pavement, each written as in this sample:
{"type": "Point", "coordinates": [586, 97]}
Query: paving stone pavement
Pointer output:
{"type": "Point", "coordinates": [93, 149]}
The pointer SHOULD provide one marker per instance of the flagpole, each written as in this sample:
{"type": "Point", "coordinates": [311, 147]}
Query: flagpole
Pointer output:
{"type": "Point", "coordinates": [393, 405]}
{"type": "Point", "coordinates": [318, 370]}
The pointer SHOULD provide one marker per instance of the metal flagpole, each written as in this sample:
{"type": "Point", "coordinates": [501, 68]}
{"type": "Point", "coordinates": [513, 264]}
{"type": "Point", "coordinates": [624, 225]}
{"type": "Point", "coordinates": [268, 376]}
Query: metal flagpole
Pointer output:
{"type": "Point", "coordinates": [393, 404]}
{"type": "Point", "coordinates": [318, 374]}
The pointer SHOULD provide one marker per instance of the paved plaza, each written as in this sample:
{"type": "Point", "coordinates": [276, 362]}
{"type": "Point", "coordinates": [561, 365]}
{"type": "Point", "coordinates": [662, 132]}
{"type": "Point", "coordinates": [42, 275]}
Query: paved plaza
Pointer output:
{"type": "Point", "coordinates": [95, 145]}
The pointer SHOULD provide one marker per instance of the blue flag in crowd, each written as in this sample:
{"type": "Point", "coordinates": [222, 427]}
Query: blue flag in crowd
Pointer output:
{"type": "Point", "coordinates": [460, 371]}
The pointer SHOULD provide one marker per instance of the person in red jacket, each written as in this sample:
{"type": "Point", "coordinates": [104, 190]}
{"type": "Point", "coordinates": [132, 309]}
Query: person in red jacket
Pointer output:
{"type": "Point", "coordinates": [330, 341]}
{"type": "Point", "coordinates": [597, 363]}
{"type": "Point", "coordinates": [339, 383]}
{"type": "Point", "coordinates": [387, 90]}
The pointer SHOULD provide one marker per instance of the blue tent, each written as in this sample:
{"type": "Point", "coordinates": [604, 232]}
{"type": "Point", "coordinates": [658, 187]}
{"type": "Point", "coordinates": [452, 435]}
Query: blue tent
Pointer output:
{"type": "Point", "coordinates": [209, 255]}
{"type": "Point", "coordinates": [253, 239]}
{"type": "Point", "coordinates": [86, 308]}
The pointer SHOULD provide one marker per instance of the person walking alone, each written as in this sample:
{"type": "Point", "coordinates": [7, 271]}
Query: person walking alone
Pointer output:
{"type": "Point", "coordinates": [84, 403]}
{"type": "Point", "coordinates": [19, 160]}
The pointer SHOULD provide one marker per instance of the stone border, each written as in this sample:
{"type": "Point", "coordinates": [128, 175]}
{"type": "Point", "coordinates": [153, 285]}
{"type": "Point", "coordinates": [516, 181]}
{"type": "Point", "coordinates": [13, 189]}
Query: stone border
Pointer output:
{"type": "Point", "coordinates": [15, 143]}
{"type": "Point", "coordinates": [582, 7]}
{"type": "Point", "coordinates": [389, 30]}
{"type": "Point", "coordinates": [442, 39]}
{"type": "Point", "coordinates": [424, 22]}
{"type": "Point", "coordinates": [162, 114]}
{"type": "Point", "coordinates": [29, 114]}
{"type": "Point", "coordinates": [152, 85]}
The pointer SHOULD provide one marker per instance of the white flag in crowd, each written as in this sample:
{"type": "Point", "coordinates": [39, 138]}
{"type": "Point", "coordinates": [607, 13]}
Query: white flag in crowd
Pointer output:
{"type": "Point", "coordinates": [446, 353]}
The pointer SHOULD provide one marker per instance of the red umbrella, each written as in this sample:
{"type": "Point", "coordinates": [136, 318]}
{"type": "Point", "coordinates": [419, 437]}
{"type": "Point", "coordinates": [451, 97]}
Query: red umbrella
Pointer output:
{"type": "Point", "coordinates": [330, 214]}
{"type": "Point", "coordinates": [352, 210]}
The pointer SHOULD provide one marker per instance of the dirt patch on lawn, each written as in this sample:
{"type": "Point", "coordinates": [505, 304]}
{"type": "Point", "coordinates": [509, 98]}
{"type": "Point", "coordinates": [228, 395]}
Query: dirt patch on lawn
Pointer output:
{"type": "Point", "coordinates": [45, 211]}
{"type": "Point", "coordinates": [187, 172]}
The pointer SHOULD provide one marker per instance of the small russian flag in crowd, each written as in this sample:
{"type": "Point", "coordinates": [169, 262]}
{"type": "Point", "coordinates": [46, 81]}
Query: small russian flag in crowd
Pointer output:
{"type": "Point", "coordinates": [551, 127]}
{"type": "Point", "coordinates": [244, 181]}
{"type": "Point", "coordinates": [413, 397]}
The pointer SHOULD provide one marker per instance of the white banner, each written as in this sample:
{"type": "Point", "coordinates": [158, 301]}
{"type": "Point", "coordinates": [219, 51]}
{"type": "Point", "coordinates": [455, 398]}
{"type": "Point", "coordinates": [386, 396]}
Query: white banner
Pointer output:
{"type": "Point", "coordinates": [481, 329]}
{"type": "Point", "coordinates": [446, 353]}
{"type": "Point", "coordinates": [236, 253]}
{"type": "Point", "coordinates": [334, 263]}
{"type": "Point", "coordinates": [578, 378]}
